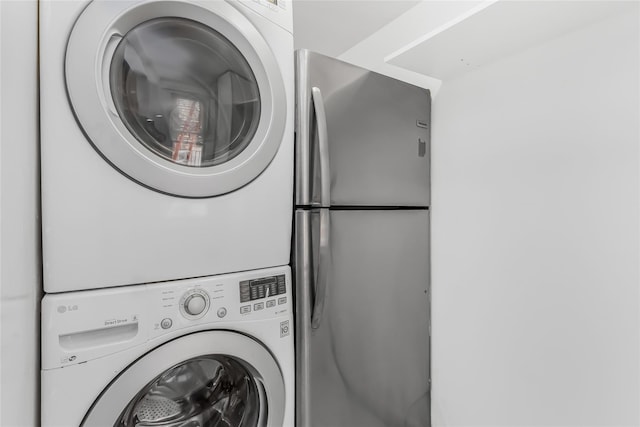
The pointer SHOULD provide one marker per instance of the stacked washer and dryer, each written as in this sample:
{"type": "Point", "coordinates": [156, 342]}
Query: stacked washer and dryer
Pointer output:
{"type": "Point", "coordinates": [167, 153]}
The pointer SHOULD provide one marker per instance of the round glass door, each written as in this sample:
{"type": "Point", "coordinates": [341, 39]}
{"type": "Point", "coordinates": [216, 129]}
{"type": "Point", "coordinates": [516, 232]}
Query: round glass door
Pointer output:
{"type": "Point", "coordinates": [184, 98]}
{"type": "Point", "coordinates": [185, 92]}
{"type": "Point", "coordinates": [205, 379]}
{"type": "Point", "coordinates": [211, 390]}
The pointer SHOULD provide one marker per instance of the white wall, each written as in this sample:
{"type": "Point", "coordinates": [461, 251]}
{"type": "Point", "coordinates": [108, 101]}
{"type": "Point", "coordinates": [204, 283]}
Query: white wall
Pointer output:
{"type": "Point", "coordinates": [19, 215]}
{"type": "Point", "coordinates": [536, 231]}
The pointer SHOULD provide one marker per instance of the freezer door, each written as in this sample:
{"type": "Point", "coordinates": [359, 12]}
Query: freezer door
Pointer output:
{"type": "Point", "coordinates": [377, 132]}
{"type": "Point", "coordinates": [365, 360]}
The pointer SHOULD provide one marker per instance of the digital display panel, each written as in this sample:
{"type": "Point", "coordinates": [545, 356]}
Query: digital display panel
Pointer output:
{"type": "Point", "coordinates": [262, 288]}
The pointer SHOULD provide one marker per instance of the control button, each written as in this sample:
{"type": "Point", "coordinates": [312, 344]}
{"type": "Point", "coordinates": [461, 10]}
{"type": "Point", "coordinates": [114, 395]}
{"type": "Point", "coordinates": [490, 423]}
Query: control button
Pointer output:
{"type": "Point", "coordinates": [195, 304]}
{"type": "Point", "coordinates": [166, 323]}
{"type": "Point", "coordinates": [222, 312]}
{"type": "Point", "coordinates": [258, 306]}
{"type": "Point", "coordinates": [245, 309]}
{"type": "Point", "coordinates": [271, 303]}
{"type": "Point", "coordinates": [282, 300]}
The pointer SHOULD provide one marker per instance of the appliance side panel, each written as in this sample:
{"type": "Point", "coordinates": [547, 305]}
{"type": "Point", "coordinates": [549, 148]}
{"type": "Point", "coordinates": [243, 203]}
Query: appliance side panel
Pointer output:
{"type": "Point", "coordinates": [369, 357]}
{"type": "Point", "coordinates": [20, 260]}
{"type": "Point", "coordinates": [378, 132]}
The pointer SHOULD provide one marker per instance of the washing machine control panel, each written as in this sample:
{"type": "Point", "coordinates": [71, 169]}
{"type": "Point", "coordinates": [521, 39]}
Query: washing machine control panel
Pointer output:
{"type": "Point", "coordinates": [82, 326]}
{"type": "Point", "coordinates": [267, 292]}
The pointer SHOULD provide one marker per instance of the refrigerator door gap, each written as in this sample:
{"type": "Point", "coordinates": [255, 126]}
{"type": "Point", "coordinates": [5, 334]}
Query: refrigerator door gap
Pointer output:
{"type": "Point", "coordinates": [377, 208]}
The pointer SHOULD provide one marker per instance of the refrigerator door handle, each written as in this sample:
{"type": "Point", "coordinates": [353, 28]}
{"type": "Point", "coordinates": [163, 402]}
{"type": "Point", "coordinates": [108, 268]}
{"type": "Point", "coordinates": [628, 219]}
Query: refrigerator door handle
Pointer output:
{"type": "Point", "coordinates": [302, 267]}
{"type": "Point", "coordinates": [322, 274]}
{"type": "Point", "coordinates": [323, 146]}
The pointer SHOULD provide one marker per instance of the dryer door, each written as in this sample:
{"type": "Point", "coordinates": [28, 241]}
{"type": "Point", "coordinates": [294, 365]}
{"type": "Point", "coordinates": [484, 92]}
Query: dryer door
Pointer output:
{"type": "Point", "coordinates": [213, 378]}
{"type": "Point", "coordinates": [185, 98]}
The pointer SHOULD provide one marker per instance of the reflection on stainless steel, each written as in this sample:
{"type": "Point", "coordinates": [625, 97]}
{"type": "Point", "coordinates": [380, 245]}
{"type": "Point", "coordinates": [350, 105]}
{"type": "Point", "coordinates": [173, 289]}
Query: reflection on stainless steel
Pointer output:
{"type": "Point", "coordinates": [419, 413]}
{"type": "Point", "coordinates": [324, 267]}
{"type": "Point", "coordinates": [209, 391]}
{"type": "Point", "coordinates": [303, 268]}
{"type": "Point", "coordinates": [185, 92]}
{"type": "Point", "coordinates": [372, 136]}
{"type": "Point", "coordinates": [362, 318]}
{"type": "Point", "coordinates": [367, 362]}
{"type": "Point", "coordinates": [375, 346]}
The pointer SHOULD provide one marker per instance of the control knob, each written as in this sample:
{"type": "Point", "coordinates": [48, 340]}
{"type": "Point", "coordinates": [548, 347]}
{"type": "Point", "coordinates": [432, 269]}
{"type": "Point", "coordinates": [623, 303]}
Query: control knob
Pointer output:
{"type": "Point", "coordinates": [194, 304]}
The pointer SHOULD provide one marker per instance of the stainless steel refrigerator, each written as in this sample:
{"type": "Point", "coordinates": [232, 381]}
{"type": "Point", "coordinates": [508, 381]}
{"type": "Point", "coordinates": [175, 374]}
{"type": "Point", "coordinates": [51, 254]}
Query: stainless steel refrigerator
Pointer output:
{"type": "Point", "coordinates": [361, 247]}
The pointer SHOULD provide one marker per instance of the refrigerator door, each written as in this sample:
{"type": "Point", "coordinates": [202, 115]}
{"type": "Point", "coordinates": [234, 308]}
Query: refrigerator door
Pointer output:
{"type": "Point", "coordinates": [365, 360]}
{"type": "Point", "coordinates": [377, 133]}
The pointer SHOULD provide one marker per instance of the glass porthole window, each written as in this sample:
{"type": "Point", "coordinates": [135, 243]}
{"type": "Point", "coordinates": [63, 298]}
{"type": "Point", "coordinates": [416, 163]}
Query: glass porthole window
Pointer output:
{"type": "Point", "coordinates": [210, 390]}
{"type": "Point", "coordinates": [184, 98]}
{"type": "Point", "coordinates": [185, 92]}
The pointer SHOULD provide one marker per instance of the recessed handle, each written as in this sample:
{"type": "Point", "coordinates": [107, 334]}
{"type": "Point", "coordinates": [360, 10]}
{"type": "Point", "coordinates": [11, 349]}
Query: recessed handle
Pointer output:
{"type": "Point", "coordinates": [84, 340]}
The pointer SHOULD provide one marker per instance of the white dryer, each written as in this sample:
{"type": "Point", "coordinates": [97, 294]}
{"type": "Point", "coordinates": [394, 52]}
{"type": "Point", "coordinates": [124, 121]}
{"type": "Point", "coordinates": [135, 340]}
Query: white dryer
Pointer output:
{"type": "Point", "coordinates": [216, 351]}
{"type": "Point", "coordinates": [167, 139]}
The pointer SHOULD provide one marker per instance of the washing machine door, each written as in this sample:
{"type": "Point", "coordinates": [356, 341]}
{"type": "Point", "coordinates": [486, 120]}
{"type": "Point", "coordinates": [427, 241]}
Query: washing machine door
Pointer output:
{"type": "Point", "coordinates": [212, 378]}
{"type": "Point", "coordinates": [185, 98]}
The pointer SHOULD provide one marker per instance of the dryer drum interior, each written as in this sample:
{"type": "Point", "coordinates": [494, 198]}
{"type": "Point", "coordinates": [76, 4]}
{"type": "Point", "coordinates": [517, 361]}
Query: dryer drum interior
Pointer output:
{"type": "Point", "coordinates": [185, 91]}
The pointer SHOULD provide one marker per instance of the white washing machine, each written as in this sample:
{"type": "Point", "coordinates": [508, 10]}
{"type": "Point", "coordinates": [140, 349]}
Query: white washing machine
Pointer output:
{"type": "Point", "coordinates": [215, 351]}
{"type": "Point", "coordinates": [166, 139]}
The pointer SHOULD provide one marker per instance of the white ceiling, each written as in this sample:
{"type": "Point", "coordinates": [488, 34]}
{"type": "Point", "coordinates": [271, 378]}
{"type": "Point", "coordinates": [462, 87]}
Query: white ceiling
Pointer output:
{"type": "Point", "coordinates": [423, 18]}
{"type": "Point", "coordinates": [332, 27]}
{"type": "Point", "coordinates": [423, 41]}
{"type": "Point", "coordinates": [496, 30]}
{"type": "Point", "coordinates": [365, 32]}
